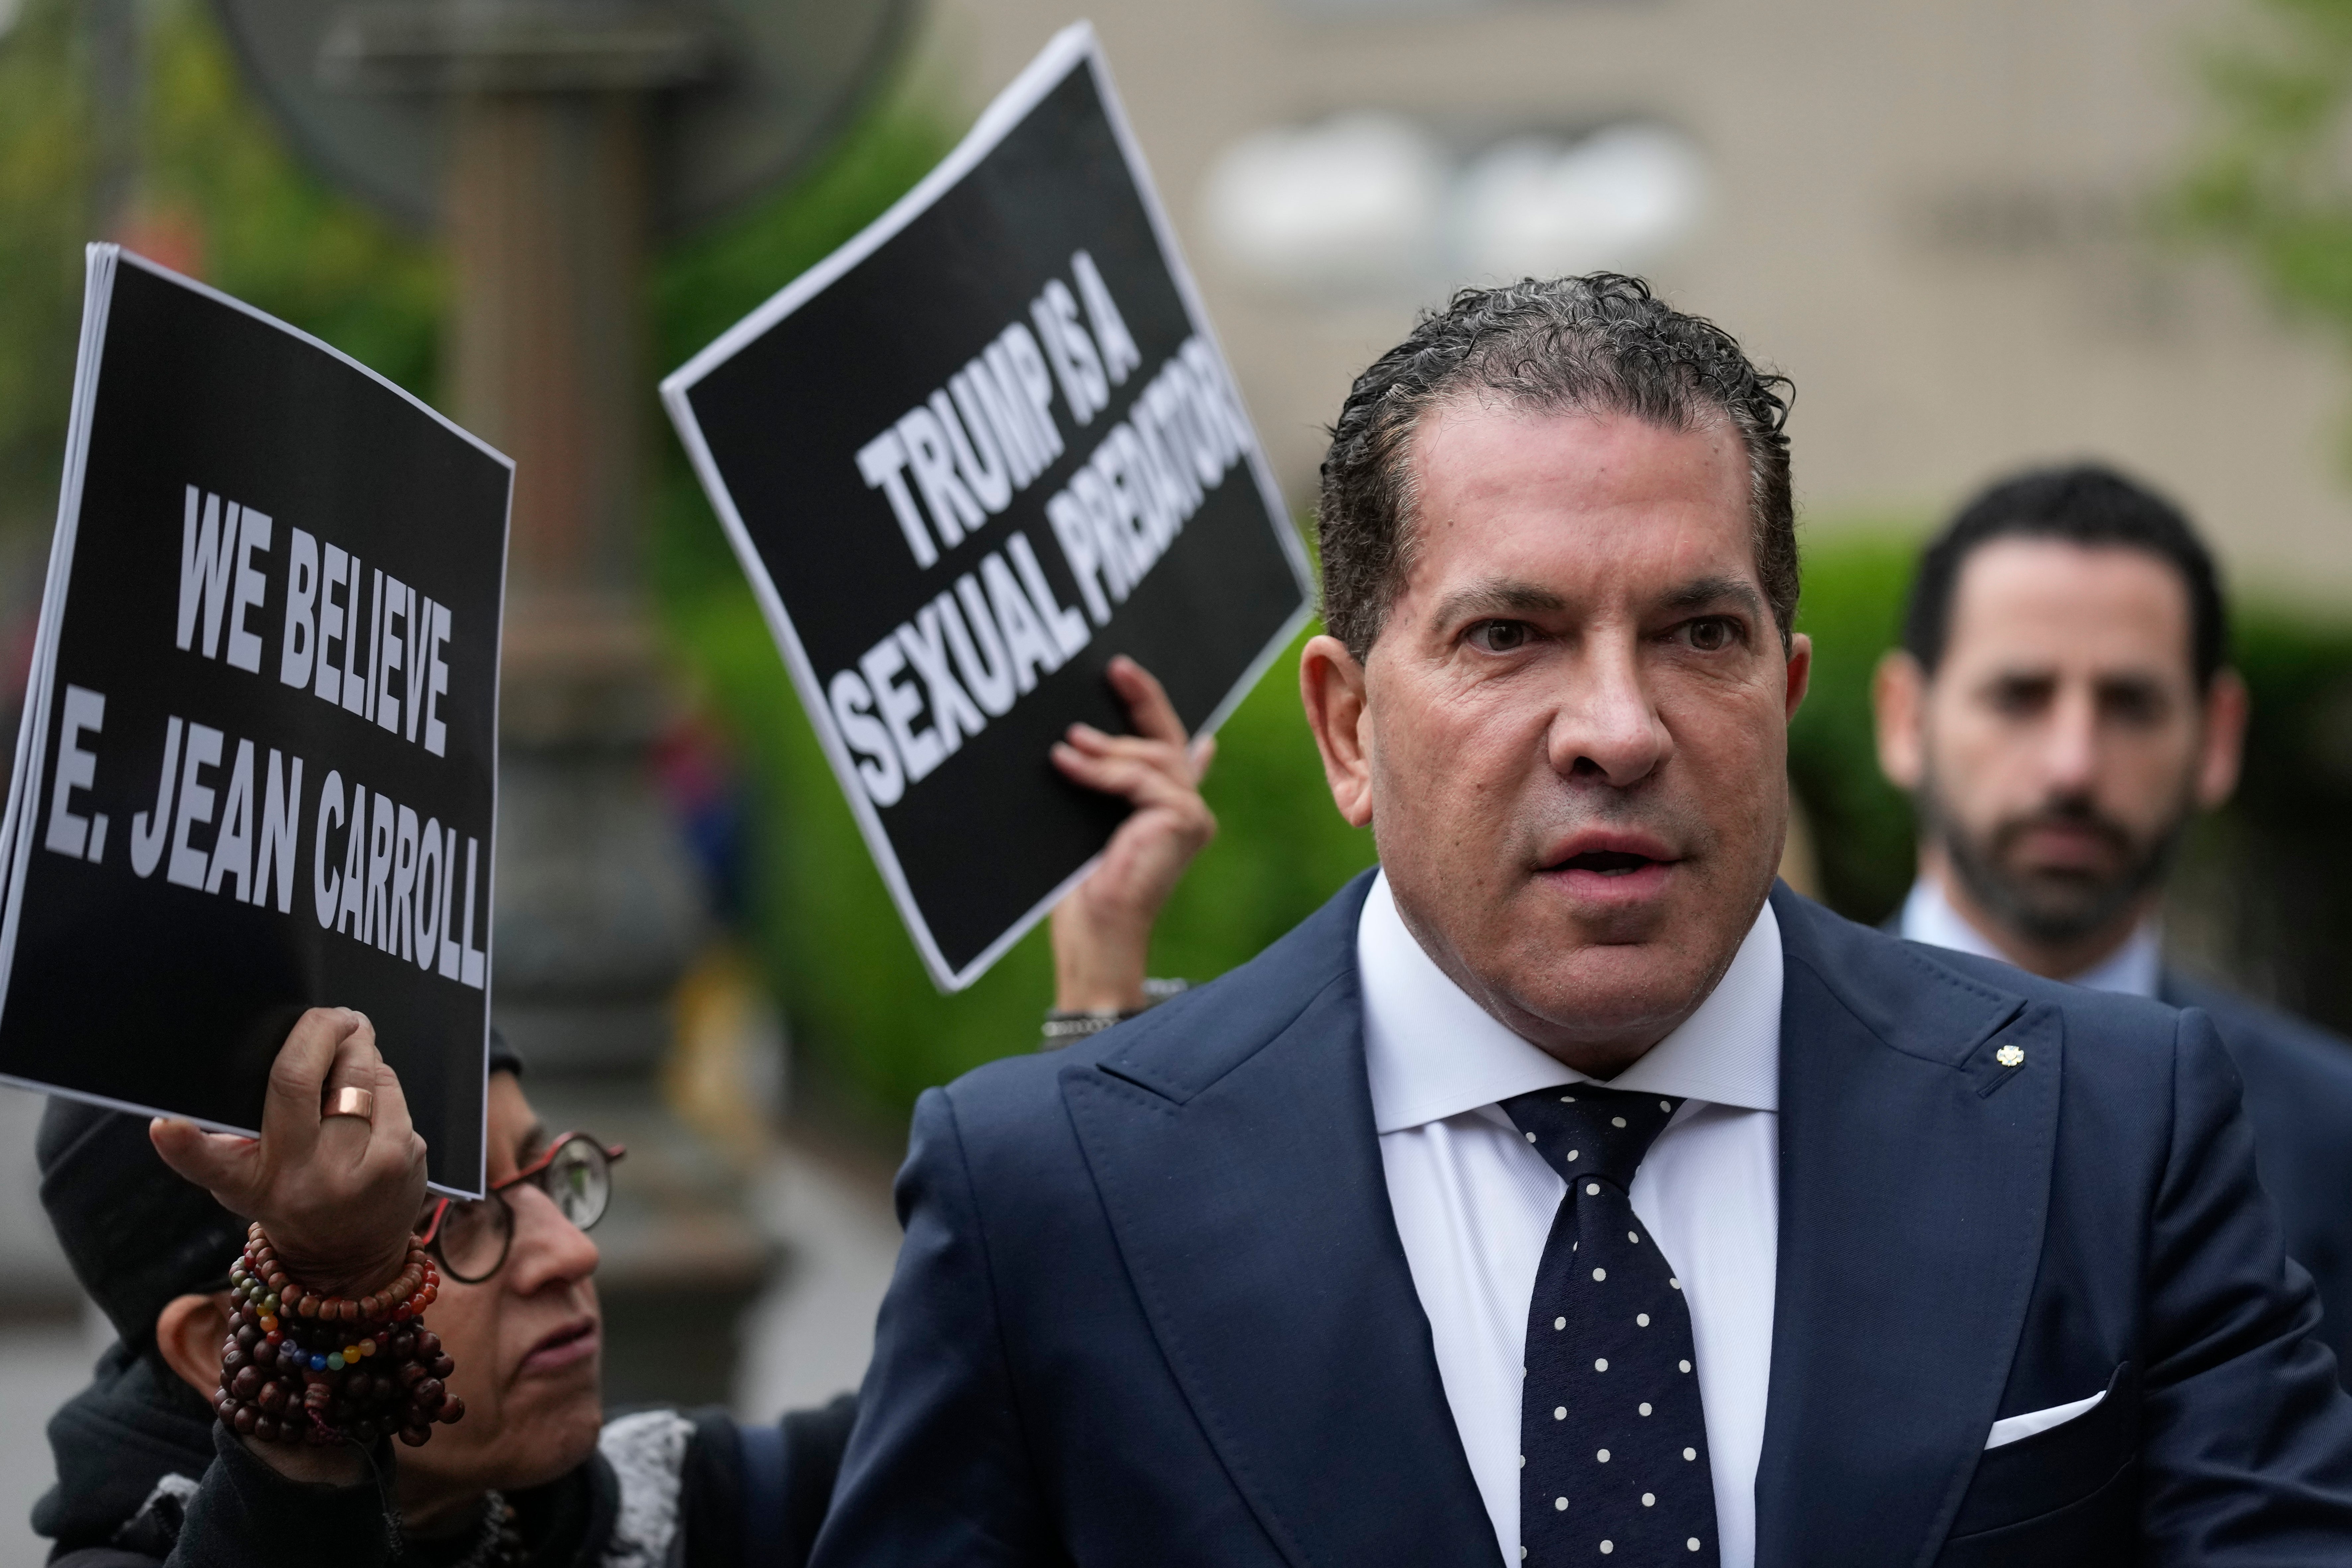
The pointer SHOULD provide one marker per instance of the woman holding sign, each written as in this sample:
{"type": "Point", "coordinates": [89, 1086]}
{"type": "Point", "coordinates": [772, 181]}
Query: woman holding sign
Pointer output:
{"type": "Point", "coordinates": [223, 1428]}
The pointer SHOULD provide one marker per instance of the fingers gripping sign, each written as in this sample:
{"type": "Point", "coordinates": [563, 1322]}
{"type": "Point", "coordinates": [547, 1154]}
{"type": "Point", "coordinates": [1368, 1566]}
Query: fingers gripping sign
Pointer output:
{"type": "Point", "coordinates": [1102, 930]}
{"type": "Point", "coordinates": [337, 1192]}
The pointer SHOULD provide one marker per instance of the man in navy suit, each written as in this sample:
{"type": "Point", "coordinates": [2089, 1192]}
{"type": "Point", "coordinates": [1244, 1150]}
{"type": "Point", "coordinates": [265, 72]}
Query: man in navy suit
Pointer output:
{"type": "Point", "coordinates": [1566, 1191]}
{"type": "Point", "coordinates": [2061, 710]}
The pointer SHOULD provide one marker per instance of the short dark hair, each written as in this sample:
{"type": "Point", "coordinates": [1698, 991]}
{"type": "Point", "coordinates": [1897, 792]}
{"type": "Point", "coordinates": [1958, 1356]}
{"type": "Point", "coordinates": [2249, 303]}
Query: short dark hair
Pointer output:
{"type": "Point", "coordinates": [2086, 504]}
{"type": "Point", "coordinates": [1599, 343]}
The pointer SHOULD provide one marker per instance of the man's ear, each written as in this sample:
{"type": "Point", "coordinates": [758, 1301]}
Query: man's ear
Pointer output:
{"type": "Point", "coordinates": [1331, 687]}
{"type": "Point", "coordinates": [1898, 700]}
{"type": "Point", "coordinates": [189, 1331]}
{"type": "Point", "coordinates": [2228, 705]}
{"type": "Point", "coordinates": [1800, 673]}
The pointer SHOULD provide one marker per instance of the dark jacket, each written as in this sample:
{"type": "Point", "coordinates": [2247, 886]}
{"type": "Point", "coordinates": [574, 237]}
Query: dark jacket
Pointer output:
{"type": "Point", "coordinates": [2297, 1090]}
{"type": "Point", "coordinates": [2298, 1093]}
{"type": "Point", "coordinates": [146, 1476]}
{"type": "Point", "coordinates": [1151, 1308]}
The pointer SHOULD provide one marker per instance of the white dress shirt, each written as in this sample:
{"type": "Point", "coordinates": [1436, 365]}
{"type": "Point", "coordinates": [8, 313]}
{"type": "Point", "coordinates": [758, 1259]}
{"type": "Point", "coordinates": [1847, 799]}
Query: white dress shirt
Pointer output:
{"type": "Point", "coordinates": [2132, 968]}
{"type": "Point", "coordinates": [1473, 1202]}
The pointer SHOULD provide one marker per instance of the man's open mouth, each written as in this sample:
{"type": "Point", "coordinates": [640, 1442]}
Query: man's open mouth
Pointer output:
{"type": "Point", "coordinates": [1607, 862]}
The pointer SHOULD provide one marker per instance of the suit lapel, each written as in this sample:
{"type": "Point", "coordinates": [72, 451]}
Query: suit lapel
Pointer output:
{"type": "Point", "coordinates": [1243, 1181]}
{"type": "Point", "coordinates": [1915, 1182]}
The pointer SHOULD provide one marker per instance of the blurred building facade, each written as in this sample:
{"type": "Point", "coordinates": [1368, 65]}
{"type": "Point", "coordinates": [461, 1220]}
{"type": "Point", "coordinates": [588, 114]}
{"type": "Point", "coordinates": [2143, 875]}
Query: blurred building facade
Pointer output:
{"type": "Point", "coordinates": [1938, 219]}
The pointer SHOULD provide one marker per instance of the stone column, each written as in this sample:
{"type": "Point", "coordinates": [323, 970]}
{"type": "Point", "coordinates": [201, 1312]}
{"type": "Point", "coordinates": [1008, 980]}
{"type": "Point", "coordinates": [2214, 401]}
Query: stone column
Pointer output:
{"type": "Point", "coordinates": [598, 911]}
{"type": "Point", "coordinates": [548, 213]}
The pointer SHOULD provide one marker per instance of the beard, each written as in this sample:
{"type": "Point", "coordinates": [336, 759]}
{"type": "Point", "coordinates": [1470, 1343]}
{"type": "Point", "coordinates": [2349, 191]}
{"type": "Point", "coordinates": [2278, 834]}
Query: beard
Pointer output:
{"type": "Point", "coordinates": [2047, 905]}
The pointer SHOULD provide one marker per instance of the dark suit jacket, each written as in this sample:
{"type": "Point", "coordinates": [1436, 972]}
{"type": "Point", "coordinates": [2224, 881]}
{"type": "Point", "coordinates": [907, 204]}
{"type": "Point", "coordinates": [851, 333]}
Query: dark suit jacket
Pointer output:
{"type": "Point", "coordinates": [2297, 1090]}
{"type": "Point", "coordinates": [2298, 1095]}
{"type": "Point", "coordinates": [1152, 1309]}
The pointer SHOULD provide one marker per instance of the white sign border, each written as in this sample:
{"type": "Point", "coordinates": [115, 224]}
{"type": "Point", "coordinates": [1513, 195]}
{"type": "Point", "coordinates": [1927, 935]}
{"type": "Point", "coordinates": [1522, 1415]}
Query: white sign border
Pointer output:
{"type": "Point", "coordinates": [1074, 47]}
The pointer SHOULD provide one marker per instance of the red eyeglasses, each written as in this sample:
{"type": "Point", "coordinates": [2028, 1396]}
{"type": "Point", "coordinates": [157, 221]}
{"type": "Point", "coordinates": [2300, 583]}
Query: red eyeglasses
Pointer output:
{"type": "Point", "coordinates": [469, 1236]}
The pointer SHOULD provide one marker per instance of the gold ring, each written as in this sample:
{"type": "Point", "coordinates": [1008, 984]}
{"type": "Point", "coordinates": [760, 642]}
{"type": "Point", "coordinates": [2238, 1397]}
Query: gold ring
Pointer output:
{"type": "Point", "coordinates": [350, 1102]}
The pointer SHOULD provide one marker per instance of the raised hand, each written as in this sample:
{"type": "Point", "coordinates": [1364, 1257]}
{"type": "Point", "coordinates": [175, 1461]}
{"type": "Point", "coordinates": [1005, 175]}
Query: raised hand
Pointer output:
{"type": "Point", "coordinates": [1102, 928]}
{"type": "Point", "coordinates": [338, 1195]}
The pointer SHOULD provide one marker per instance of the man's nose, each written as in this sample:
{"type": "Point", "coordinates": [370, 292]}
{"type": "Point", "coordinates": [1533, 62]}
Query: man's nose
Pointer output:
{"type": "Point", "coordinates": [548, 1249]}
{"type": "Point", "coordinates": [1606, 727]}
{"type": "Point", "coordinates": [2070, 746]}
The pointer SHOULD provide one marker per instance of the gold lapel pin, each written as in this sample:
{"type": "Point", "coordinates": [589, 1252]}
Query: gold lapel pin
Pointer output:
{"type": "Point", "coordinates": [2011, 1056]}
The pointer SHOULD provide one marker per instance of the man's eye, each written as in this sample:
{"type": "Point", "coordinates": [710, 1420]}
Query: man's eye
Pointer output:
{"type": "Point", "coordinates": [2137, 706]}
{"type": "Point", "coordinates": [1499, 637]}
{"type": "Point", "coordinates": [1713, 633]}
{"type": "Point", "coordinates": [2019, 699]}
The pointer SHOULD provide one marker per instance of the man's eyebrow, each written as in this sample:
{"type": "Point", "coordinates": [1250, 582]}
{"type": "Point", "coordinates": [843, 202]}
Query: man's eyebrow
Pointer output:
{"type": "Point", "coordinates": [1497, 596]}
{"type": "Point", "coordinates": [534, 1141]}
{"type": "Point", "coordinates": [1701, 592]}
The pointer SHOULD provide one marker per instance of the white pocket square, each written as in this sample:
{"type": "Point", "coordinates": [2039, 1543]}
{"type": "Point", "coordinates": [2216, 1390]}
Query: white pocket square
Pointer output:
{"type": "Point", "coordinates": [2010, 1428]}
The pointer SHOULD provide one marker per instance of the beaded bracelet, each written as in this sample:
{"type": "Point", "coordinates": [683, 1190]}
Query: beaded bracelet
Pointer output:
{"type": "Point", "coordinates": [300, 1365]}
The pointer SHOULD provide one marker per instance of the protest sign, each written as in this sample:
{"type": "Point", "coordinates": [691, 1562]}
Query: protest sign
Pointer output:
{"type": "Point", "coordinates": [981, 448]}
{"type": "Point", "coordinates": [258, 770]}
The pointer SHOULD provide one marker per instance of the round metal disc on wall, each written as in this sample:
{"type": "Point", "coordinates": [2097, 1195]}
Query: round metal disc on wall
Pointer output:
{"type": "Point", "coordinates": [742, 91]}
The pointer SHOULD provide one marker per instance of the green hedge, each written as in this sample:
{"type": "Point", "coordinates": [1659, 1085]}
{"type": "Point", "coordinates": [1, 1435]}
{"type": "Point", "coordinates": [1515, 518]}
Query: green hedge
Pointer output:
{"type": "Point", "coordinates": [1854, 586]}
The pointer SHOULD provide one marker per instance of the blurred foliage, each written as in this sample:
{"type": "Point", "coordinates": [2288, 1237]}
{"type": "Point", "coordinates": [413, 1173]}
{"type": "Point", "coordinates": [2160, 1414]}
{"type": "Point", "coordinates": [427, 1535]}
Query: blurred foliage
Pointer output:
{"type": "Point", "coordinates": [266, 229]}
{"type": "Point", "coordinates": [1852, 608]}
{"type": "Point", "coordinates": [2265, 896]}
{"type": "Point", "coordinates": [215, 192]}
{"type": "Point", "coordinates": [44, 172]}
{"type": "Point", "coordinates": [2269, 179]}
{"type": "Point", "coordinates": [2271, 175]}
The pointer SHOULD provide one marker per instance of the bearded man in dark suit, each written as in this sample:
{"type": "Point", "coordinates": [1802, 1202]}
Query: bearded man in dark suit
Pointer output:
{"type": "Point", "coordinates": [1565, 1191]}
{"type": "Point", "coordinates": [2060, 710]}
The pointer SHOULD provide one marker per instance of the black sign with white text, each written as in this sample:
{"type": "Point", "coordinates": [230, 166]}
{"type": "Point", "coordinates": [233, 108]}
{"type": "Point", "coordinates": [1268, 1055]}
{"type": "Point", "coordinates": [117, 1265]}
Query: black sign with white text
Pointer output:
{"type": "Point", "coordinates": [258, 770]}
{"type": "Point", "coordinates": [983, 447]}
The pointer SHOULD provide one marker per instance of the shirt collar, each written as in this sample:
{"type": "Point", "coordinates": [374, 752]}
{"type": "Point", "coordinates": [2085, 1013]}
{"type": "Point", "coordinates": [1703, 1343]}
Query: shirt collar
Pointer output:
{"type": "Point", "coordinates": [1431, 1052]}
{"type": "Point", "coordinates": [2133, 969]}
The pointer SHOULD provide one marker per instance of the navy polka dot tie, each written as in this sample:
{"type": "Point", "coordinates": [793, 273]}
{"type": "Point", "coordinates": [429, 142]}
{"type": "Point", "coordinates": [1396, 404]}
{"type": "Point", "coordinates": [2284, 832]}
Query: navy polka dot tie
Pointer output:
{"type": "Point", "coordinates": [1613, 1459]}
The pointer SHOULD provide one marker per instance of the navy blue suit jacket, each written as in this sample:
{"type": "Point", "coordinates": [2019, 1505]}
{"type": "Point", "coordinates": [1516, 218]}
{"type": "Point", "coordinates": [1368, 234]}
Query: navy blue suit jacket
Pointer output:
{"type": "Point", "coordinates": [1152, 1309]}
{"type": "Point", "coordinates": [2298, 1095]}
